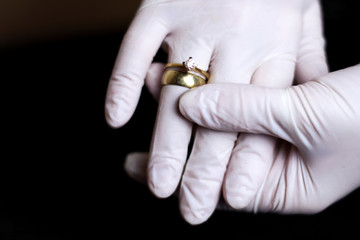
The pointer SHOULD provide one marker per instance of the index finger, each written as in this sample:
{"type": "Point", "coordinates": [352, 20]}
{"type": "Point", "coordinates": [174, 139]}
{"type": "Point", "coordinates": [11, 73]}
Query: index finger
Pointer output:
{"type": "Point", "coordinates": [136, 53]}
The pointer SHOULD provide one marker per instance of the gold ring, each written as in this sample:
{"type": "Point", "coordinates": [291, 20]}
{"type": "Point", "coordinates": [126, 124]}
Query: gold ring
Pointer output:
{"type": "Point", "coordinates": [189, 66]}
{"type": "Point", "coordinates": [185, 79]}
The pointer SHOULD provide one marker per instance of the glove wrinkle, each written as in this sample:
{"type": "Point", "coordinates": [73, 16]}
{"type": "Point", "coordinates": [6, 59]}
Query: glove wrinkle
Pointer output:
{"type": "Point", "coordinates": [248, 104]}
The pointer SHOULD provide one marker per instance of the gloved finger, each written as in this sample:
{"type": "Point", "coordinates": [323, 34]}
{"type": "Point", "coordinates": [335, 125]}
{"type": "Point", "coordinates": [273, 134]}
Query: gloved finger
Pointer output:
{"type": "Point", "coordinates": [311, 60]}
{"type": "Point", "coordinates": [172, 131]}
{"type": "Point", "coordinates": [203, 177]}
{"type": "Point", "coordinates": [135, 56]}
{"type": "Point", "coordinates": [253, 154]}
{"type": "Point", "coordinates": [204, 173]}
{"type": "Point", "coordinates": [240, 108]}
{"type": "Point", "coordinates": [168, 151]}
{"type": "Point", "coordinates": [153, 79]}
{"type": "Point", "coordinates": [136, 164]}
{"type": "Point", "coordinates": [247, 169]}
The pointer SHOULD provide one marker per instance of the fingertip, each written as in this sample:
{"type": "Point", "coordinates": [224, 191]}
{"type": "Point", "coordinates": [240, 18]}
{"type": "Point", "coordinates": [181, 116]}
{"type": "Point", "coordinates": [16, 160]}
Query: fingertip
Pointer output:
{"type": "Point", "coordinates": [237, 196]}
{"type": "Point", "coordinates": [195, 218]}
{"type": "Point", "coordinates": [113, 119]}
{"type": "Point", "coordinates": [136, 164]}
{"type": "Point", "coordinates": [114, 123]}
{"type": "Point", "coordinates": [183, 103]}
{"type": "Point", "coordinates": [193, 211]}
{"type": "Point", "coordinates": [189, 105]}
{"type": "Point", "coordinates": [162, 179]}
{"type": "Point", "coordinates": [119, 107]}
{"type": "Point", "coordinates": [239, 189]}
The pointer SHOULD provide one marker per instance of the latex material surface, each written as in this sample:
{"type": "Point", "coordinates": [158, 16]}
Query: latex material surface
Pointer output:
{"type": "Point", "coordinates": [237, 41]}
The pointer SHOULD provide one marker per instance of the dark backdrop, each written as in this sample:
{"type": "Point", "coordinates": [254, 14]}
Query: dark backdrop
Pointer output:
{"type": "Point", "coordinates": [61, 168]}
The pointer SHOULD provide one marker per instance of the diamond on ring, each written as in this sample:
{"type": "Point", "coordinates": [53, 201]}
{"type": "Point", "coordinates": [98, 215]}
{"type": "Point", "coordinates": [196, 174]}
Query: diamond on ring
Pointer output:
{"type": "Point", "coordinates": [190, 64]}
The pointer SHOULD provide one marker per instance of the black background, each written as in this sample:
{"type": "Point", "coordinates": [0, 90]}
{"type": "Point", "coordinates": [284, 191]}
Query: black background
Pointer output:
{"type": "Point", "coordinates": [61, 168]}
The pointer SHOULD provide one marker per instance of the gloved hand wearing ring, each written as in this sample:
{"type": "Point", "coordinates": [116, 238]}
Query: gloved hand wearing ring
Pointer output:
{"type": "Point", "coordinates": [259, 42]}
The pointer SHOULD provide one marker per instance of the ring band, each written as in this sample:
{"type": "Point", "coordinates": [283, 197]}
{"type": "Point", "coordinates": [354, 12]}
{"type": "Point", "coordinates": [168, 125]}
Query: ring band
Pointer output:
{"type": "Point", "coordinates": [185, 79]}
{"type": "Point", "coordinates": [186, 74]}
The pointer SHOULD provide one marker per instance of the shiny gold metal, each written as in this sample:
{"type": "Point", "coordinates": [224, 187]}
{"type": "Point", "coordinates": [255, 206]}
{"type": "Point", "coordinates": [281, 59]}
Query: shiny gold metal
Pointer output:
{"type": "Point", "coordinates": [184, 69]}
{"type": "Point", "coordinates": [180, 78]}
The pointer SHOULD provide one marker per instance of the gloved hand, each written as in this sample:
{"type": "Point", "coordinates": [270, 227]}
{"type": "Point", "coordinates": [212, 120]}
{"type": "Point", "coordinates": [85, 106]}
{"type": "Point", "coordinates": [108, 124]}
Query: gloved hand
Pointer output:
{"type": "Point", "coordinates": [255, 42]}
{"type": "Point", "coordinates": [318, 163]}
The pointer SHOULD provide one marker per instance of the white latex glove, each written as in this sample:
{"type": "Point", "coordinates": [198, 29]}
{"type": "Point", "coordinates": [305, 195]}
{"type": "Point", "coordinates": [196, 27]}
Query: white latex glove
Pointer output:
{"type": "Point", "coordinates": [255, 42]}
{"type": "Point", "coordinates": [318, 163]}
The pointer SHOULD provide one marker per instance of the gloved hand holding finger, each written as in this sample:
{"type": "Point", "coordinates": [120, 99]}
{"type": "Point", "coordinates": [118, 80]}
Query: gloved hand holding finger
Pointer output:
{"type": "Point", "coordinates": [239, 47]}
{"type": "Point", "coordinates": [320, 118]}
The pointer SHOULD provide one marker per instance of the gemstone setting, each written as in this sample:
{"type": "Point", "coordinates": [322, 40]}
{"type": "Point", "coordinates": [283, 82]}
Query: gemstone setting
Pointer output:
{"type": "Point", "coordinates": [190, 64]}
